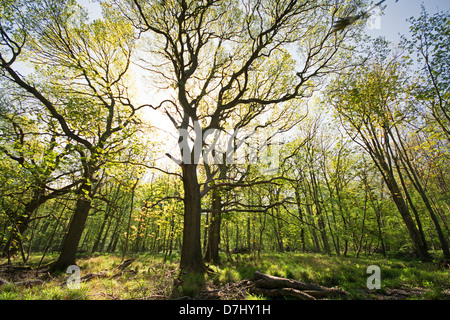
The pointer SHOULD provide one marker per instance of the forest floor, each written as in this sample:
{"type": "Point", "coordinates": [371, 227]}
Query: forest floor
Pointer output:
{"type": "Point", "coordinates": [151, 277]}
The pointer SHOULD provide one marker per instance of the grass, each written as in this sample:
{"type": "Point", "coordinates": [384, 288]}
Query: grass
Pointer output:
{"type": "Point", "coordinates": [150, 277]}
{"type": "Point", "coordinates": [347, 273]}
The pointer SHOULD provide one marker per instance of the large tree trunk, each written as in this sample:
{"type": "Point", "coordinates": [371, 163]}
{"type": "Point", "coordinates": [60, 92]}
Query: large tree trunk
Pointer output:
{"type": "Point", "coordinates": [191, 252]}
{"type": "Point", "coordinates": [69, 247]}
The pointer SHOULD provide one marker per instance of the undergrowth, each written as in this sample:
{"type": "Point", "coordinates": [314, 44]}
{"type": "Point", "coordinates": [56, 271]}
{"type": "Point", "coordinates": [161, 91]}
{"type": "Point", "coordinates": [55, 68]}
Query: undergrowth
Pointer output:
{"type": "Point", "coordinates": [154, 276]}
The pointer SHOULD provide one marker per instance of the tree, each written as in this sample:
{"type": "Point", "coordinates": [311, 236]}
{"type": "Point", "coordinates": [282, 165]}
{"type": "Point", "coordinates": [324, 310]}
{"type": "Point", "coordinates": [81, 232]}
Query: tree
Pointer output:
{"type": "Point", "coordinates": [224, 58]}
{"type": "Point", "coordinates": [370, 104]}
{"type": "Point", "coordinates": [44, 159]}
{"type": "Point", "coordinates": [84, 68]}
{"type": "Point", "coordinates": [430, 43]}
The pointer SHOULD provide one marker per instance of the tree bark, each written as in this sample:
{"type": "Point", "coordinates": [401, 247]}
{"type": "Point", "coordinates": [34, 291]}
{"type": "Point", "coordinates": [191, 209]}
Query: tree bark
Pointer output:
{"type": "Point", "coordinates": [272, 286]}
{"type": "Point", "coordinates": [71, 241]}
{"type": "Point", "coordinates": [406, 216]}
{"type": "Point", "coordinates": [191, 252]}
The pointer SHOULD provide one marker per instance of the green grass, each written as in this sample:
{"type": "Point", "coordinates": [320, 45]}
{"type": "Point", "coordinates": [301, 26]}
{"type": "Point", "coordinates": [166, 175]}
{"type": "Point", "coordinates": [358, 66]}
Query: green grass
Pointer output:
{"type": "Point", "coordinates": [150, 276]}
{"type": "Point", "coordinates": [347, 273]}
{"type": "Point", "coordinates": [147, 276]}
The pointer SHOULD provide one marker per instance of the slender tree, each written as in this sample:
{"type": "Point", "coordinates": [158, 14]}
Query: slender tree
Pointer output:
{"type": "Point", "coordinates": [369, 108]}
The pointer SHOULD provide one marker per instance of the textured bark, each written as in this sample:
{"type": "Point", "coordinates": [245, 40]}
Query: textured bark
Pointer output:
{"type": "Point", "coordinates": [272, 286]}
{"type": "Point", "coordinates": [419, 242]}
{"type": "Point", "coordinates": [191, 252]}
{"type": "Point", "coordinates": [71, 241]}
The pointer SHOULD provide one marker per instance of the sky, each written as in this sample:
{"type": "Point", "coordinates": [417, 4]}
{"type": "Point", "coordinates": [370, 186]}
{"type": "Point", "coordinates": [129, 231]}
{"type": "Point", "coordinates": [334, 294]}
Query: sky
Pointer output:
{"type": "Point", "coordinates": [394, 20]}
{"type": "Point", "coordinates": [391, 24]}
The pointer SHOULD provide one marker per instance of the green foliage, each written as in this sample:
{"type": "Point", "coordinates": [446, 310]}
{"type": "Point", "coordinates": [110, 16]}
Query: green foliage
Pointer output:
{"type": "Point", "coordinates": [71, 129]}
{"type": "Point", "coordinates": [190, 285]}
{"type": "Point", "coordinates": [429, 43]}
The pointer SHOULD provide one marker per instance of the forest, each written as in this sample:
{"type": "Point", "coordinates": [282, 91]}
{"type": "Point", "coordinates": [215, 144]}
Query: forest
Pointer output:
{"type": "Point", "coordinates": [222, 149]}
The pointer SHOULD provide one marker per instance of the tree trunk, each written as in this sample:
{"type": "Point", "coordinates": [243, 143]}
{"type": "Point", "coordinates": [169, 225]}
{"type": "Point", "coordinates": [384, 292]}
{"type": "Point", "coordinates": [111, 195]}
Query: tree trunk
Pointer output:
{"type": "Point", "coordinates": [413, 208]}
{"type": "Point", "coordinates": [319, 213]}
{"type": "Point", "coordinates": [364, 219]}
{"type": "Point", "coordinates": [406, 216]}
{"type": "Point", "coordinates": [418, 186]}
{"type": "Point", "coordinates": [277, 229]}
{"type": "Point", "coordinates": [191, 252]}
{"type": "Point", "coordinates": [442, 239]}
{"type": "Point", "coordinates": [125, 249]}
{"type": "Point", "coordinates": [385, 169]}
{"type": "Point", "coordinates": [272, 286]}
{"type": "Point", "coordinates": [69, 247]}
{"type": "Point", "coordinates": [71, 241]}
{"type": "Point", "coordinates": [300, 216]}
{"type": "Point", "coordinates": [380, 234]}
{"type": "Point", "coordinates": [100, 232]}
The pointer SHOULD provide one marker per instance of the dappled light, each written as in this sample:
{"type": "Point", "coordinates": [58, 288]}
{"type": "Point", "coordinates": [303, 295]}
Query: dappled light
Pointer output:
{"type": "Point", "coordinates": [223, 150]}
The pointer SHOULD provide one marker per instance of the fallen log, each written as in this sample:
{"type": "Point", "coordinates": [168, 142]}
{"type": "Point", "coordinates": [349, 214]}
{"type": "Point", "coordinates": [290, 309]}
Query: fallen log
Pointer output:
{"type": "Point", "coordinates": [29, 283]}
{"type": "Point", "coordinates": [271, 286]}
{"type": "Point", "coordinates": [282, 292]}
{"type": "Point", "coordinates": [25, 283]}
{"type": "Point", "coordinates": [121, 267]}
{"type": "Point", "coordinates": [125, 264]}
{"type": "Point", "coordinates": [90, 276]}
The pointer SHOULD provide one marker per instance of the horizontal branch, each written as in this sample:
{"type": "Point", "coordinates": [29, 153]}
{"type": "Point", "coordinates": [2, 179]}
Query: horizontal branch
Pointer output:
{"type": "Point", "coordinates": [147, 166]}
